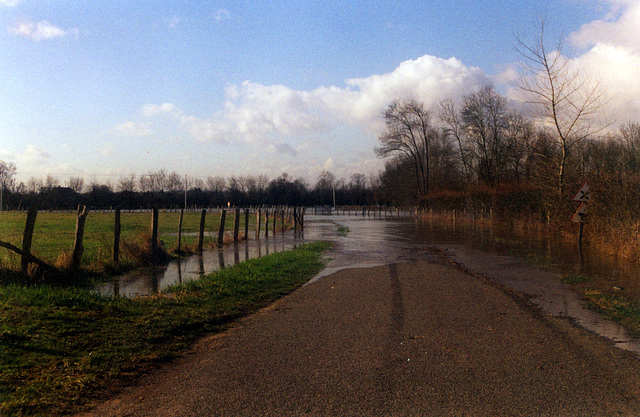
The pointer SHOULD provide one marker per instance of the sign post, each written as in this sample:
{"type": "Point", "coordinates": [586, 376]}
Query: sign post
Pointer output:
{"type": "Point", "coordinates": [583, 197]}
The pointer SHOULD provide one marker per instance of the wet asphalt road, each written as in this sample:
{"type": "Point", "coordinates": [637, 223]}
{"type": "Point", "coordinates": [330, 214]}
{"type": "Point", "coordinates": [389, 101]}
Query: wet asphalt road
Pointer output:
{"type": "Point", "coordinates": [405, 339]}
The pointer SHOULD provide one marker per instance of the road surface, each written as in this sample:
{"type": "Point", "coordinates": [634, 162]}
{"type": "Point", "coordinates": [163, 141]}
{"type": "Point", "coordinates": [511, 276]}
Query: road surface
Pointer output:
{"type": "Point", "coordinates": [421, 338]}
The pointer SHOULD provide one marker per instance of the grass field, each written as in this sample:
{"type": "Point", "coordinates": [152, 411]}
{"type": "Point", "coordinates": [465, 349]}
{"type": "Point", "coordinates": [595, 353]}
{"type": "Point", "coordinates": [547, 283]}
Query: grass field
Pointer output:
{"type": "Point", "coordinates": [61, 347]}
{"type": "Point", "coordinates": [54, 234]}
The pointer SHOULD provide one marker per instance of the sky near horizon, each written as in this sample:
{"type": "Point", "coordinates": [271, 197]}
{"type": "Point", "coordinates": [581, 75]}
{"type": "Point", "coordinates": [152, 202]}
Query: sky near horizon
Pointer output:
{"type": "Point", "coordinates": [104, 90]}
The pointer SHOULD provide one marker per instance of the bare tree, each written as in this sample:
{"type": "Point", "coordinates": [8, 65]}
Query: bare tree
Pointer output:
{"type": "Point", "coordinates": [127, 184]}
{"type": "Point", "coordinates": [34, 185]}
{"type": "Point", "coordinates": [216, 184]}
{"type": "Point", "coordinates": [7, 172]}
{"type": "Point", "coordinates": [76, 184]}
{"type": "Point", "coordinates": [408, 135]}
{"type": "Point", "coordinates": [50, 182]}
{"type": "Point", "coordinates": [454, 130]}
{"type": "Point", "coordinates": [560, 96]}
{"type": "Point", "coordinates": [174, 182]}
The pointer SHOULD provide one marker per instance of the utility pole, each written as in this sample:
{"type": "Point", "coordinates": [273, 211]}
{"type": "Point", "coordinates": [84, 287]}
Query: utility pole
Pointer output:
{"type": "Point", "coordinates": [185, 191]}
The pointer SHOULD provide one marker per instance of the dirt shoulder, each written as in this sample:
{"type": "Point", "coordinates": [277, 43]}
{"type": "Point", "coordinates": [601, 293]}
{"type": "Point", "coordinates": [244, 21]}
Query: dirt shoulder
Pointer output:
{"type": "Point", "coordinates": [417, 338]}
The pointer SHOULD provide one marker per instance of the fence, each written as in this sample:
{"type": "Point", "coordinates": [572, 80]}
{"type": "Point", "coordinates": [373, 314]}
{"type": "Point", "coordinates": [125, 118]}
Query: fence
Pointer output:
{"type": "Point", "coordinates": [111, 236]}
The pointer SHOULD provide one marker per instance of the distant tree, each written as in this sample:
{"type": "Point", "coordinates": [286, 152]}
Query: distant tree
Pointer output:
{"type": "Point", "coordinates": [76, 184]}
{"type": "Point", "coordinates": [34, 185]}
{"type": "Point", "coordinates": [127, 184]}
{"type": "Point", "coordinates": [408, 134]}
{"type": "Point", "coordinates": [216, 184]}
{"type": "Point", "coordinates": [560, 96]}
{"type": "Point", "coordinates": [7, 172]}
{"type": "Point", "coordinates": [51, 182]}
{"type": "Point", "coordinates": [174, 182]}
{"type": "Point", "coordinates": [325, 187]}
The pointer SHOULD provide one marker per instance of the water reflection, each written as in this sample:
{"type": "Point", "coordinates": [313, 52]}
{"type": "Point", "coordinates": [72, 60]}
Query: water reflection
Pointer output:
{"type": "Point", "coordinates": [153, 280]}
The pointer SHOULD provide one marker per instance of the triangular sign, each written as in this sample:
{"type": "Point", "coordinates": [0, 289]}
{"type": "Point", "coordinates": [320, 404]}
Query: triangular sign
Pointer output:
{"type": "Point", "coordinates": [583, 195]}
{"type": "Point", "coordinates": [581, 215]}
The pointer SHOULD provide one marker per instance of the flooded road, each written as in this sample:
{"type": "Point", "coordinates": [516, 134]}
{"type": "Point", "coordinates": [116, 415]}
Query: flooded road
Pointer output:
{"type": "Point", "coordinates": [526, 262]}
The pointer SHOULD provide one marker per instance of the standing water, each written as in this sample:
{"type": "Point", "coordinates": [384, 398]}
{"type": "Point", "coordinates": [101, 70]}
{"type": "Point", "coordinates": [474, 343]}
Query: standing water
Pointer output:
{"type": "Point", "coordinates": [500, 253]}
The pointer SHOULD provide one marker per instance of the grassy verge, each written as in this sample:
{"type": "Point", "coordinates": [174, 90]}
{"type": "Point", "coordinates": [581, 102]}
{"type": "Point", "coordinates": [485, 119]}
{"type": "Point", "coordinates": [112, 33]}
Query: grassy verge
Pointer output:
{"type": "Point", "coordinates": [60, 347]}
{"type": "Point", "coordinates": [616, 308]}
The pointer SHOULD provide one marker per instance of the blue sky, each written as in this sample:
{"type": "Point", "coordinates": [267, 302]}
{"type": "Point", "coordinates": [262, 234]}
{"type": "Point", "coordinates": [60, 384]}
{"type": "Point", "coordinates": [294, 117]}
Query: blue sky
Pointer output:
{"type": "Point", "coordinates": [220, 88]}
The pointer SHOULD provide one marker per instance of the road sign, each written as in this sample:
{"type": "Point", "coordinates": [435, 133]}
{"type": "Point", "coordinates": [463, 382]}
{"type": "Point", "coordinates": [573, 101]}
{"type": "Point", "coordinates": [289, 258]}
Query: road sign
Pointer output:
{"type": "Point", "coordinates": [581, 215]}
{"type": "Point", "coordinates": [583, 195]}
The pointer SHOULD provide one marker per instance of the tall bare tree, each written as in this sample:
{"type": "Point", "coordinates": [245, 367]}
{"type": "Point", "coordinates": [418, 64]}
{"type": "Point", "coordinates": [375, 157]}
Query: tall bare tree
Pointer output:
{"type": "Point", "coordinates": [560, 96]}
{"type": "Point", "coordinates": [408, 134]}
{"type": "Point", "coordinates": [7, 171]}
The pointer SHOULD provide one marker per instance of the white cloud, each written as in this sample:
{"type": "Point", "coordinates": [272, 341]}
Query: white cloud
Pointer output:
{"type": "Point", "coordinates": [619, 27]}
{"type": "Point", "coordinates": [9, 3]}
{"type": "Point", "coordinates": [151, 110]}
{"type": "Point", "coordinates": [40, 31]}
{"type": "Point", "coordinates": [254, 112]}
{"type": "Point", "coordinates": [613, 58]}
{"type": "Point", "coordinates": [222, 14]}
{"type": "Point", "coordinates": [133, 129]}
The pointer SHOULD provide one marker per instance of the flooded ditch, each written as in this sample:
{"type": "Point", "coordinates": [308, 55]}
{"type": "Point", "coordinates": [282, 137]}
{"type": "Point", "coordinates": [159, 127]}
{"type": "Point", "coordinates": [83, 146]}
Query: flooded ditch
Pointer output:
{"type": "Point", "coordinates": [528, 262]}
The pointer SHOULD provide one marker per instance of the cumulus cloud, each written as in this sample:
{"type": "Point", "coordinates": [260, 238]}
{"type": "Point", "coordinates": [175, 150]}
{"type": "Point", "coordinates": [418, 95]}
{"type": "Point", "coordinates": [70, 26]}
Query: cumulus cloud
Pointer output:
{"type": "Point", "coordinates": [133, 129]}
{"type": "Point", "coordinates": [254, 112]}
{"type": "Point", "coordinates": [619, 27]}
{"type": "Point", "coordinates": [612, 57]}
{"type": "Point", "coordinates": [40, 31]}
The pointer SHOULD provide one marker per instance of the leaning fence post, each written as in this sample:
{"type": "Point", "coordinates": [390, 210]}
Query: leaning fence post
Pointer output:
{"type": "Point", "coordinates": [223, 217]}
{"type": "Point", "coordinates": [201, 234]}
{"type": "Point", "coordinates": [116, 236]}
{"type": "Point", "coordinates": [28, 235]}
{"type": "Point", "coordinates": [180, 229]}
{"type": "Point", "coordinates": [78, 247]}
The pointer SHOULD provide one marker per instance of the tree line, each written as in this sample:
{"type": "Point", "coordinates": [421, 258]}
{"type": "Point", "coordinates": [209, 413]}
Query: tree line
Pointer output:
{"type": "Point", "coordinates": [164, 189]}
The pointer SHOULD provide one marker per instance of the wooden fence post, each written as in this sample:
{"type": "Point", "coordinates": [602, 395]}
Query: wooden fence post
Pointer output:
{"type": "Point", "coordinates": [275, 214]}
{"type": "Point", "coordinates": [116, 236]}
{"type": "Point", "coordinates": [201, 234]}
{"type": "Point", "coordinates": [223, 217]}
{"type": "Point", "coordinates": [283, 219]}
{"type": "Point", "coordinates": [180, 230]}
{"type": "Point", "coordinates": [266, 222]}
{"type": "Point", "coordinates": [154, 233]}
{"type": "Point", "coordinates": [236, 226]}
{"type": "Point", "coordinates": [246, 224]}
{"type": "Point", "coordinates": [258, 220]}
{"type": "Point", "coordinates": [78, 247]}
{"type": "Point", "coordinates": [28, 235]}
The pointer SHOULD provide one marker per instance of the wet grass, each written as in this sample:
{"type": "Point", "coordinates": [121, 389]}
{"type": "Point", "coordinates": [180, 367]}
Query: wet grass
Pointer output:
{"type": "Point", "coordinates": [617, 308]}
{"type": "Point", "coordinates": [62, 347]}
{"type": "Point", "coordinates": [576, 279]}
{"type": "Point", "coordinates": [342, 230]}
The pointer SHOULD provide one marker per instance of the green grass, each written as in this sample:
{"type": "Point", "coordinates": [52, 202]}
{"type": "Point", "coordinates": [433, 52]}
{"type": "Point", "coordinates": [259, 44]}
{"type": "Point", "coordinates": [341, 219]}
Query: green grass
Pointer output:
{"type": "Point", "coordinates": [576, 279]}
{"type": "Point", "coordinates": [59, 347]}
{"type": "Point", "coordinates": [617, 308]}
{"type": "Point", "coordinates": [342, 230]}
{"type": "Point", "coordinates": [54, 235]}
